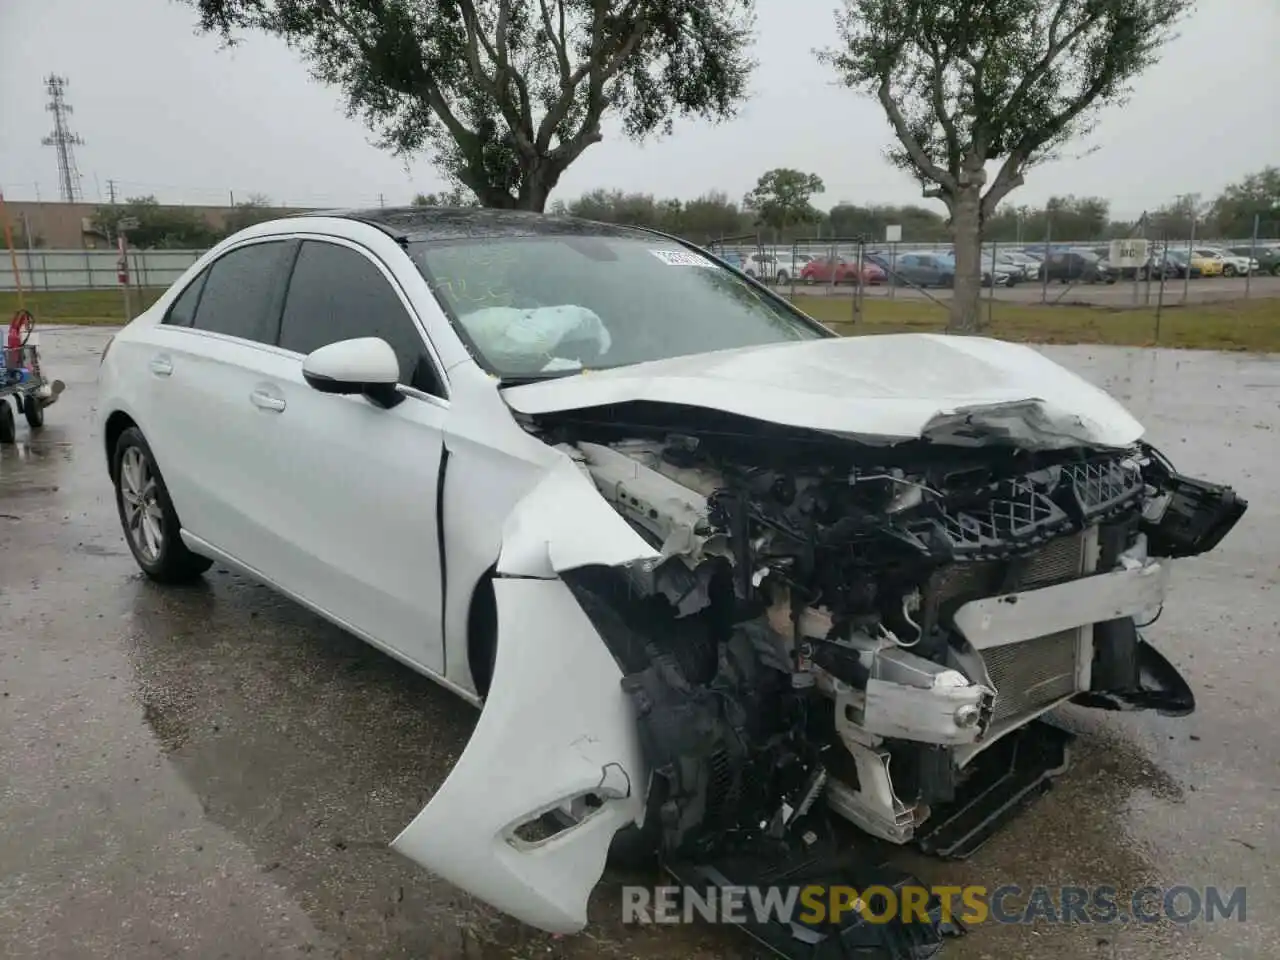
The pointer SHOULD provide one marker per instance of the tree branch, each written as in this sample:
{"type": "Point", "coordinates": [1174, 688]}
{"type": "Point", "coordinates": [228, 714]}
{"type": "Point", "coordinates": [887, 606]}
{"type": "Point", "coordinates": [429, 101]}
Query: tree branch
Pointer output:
{"type": "Point", "coordinates": [1054, 48]}
{"type": "Point", "coordinates": [940, 64]}
{"type": "Point", "coordinates": [596, 73]}
{"type": "Point", "coordinates": [910, 143]}
{"type": "Point", "coordinates": [557, 38]}
{"type": "Point", "coordinates": [427, 89]}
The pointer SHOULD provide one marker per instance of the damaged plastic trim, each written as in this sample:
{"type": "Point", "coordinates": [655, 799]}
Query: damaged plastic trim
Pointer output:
{"type": "Point", "coordinates": [1015, 617]}
{"type": "Point", "coordinates": [563, 524]}
{"type": "Point", "coordinates": [556, 735]}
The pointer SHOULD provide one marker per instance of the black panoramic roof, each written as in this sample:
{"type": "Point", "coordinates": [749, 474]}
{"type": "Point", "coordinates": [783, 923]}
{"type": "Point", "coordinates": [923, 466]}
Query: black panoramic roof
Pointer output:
{"type": "Point", "coordinates": [460, 223]}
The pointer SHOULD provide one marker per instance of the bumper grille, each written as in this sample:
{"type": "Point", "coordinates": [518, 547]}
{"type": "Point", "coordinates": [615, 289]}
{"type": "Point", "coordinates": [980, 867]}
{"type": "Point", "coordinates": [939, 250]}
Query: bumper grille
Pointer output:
{"type": "Point", "coordinates": [1029, 676]}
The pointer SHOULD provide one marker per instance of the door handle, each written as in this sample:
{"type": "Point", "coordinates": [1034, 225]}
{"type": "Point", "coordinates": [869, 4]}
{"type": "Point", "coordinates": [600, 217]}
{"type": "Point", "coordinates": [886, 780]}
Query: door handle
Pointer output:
{"type": "Point", "coordinates": [161, 366]}
{"type": "Point", "coordinates": [266, 401]}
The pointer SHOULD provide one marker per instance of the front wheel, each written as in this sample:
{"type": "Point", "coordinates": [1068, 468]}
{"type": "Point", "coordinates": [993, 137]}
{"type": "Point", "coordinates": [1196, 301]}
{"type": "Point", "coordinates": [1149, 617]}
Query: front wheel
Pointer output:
{"type": "Point", "coordinates": [150, 523]}
{"type": "Point", "coordinates": [33, 409]}
{"type": "Point", "coordinates": [945, 281]}
{"type": "Point", "coordinates": [782, 277]}
{"type": "Point", "coordinates": [1228, 271]}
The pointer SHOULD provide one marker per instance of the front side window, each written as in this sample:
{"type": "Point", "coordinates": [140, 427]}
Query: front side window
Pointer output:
{"type": "Point", "coordinates": [241, 298]}
{"type": "Point", "coordinates": [547, 305]}
{"type": "Point", "coordinates": [337, 293]}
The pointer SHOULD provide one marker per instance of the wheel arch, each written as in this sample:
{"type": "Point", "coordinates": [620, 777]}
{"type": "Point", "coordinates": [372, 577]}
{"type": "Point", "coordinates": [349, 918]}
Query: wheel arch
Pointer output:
{"type": "Point", "coordinates": [116, 424]}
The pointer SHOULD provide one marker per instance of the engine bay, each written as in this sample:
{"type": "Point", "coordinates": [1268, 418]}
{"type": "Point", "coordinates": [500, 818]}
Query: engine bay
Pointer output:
{"type": "Point", "coordinates": [840, 626]}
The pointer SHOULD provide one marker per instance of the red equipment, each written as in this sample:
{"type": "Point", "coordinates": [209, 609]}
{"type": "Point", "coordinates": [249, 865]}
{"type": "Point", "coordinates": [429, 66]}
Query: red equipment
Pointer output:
{"type": "Point", "coordinates": [20, 328]}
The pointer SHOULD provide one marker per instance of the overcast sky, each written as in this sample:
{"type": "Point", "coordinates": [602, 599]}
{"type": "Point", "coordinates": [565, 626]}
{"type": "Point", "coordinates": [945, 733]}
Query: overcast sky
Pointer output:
{"type": "Point", "coordinates": [164, 111]}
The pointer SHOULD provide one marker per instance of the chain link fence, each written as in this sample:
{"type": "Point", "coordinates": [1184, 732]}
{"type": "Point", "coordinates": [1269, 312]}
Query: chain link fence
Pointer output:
{"type": "Point", "coordinates": [1161, 269]}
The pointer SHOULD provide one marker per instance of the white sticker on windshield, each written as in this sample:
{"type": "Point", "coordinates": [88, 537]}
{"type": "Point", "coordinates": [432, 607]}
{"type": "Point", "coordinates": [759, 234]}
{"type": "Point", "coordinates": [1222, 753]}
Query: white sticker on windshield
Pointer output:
{"type": "Point", "coordinates": [681, 258]}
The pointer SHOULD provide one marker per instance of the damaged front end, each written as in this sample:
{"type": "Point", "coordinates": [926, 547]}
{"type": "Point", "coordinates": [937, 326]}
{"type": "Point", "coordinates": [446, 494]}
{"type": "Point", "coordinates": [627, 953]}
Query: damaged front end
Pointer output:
{"type": "Point", "coordinates": [804, 625]}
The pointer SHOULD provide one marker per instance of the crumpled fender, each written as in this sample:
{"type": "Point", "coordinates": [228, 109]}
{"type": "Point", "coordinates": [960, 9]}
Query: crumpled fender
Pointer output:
{"type": "Point", "coordinates": [564, 523]}
{"type": "Point", "coordinates": [556, 727]}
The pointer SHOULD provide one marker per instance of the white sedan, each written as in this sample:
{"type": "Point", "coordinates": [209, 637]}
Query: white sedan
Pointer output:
{"type": "Point", "coordinates": [780, 268]}
{"type": "Point", "coordinates": [715, 574]}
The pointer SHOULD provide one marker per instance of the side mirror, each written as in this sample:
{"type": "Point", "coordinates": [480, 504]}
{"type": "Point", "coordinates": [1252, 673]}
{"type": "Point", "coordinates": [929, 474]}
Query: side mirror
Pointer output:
{"type": "Point", "coordinates": [365, 365]}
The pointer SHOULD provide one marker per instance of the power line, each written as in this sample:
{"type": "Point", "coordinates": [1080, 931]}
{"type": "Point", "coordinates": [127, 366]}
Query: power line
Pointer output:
{"type": "Point", "coordinates": [62, 139]}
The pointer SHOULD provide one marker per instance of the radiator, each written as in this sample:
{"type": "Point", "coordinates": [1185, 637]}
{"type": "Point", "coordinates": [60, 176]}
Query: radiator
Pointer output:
{"type": "Point", "coordinates": [1031, 675]}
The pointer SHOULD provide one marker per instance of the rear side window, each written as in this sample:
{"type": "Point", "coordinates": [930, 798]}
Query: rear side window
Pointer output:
{"type": "Point", "coordinates": [183, 310]}
{"type": "Point", "coordinates": [242, 296]}
{"type": "Point", "coordinates": [335, 294]}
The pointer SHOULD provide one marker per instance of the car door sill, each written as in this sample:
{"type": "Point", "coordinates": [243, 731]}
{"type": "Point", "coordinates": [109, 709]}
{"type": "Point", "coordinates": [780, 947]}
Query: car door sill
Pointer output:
{"type": "Point", "coordinates": [206, 549]}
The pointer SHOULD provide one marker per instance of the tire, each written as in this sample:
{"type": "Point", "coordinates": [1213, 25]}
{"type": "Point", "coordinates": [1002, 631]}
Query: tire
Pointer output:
{"type": "Point", "coordinates": [1275, 271]}
{"type": "Point", "coordinates": [782, 277]}
{"type": "Point", "coordinates": [1228, 271]}
{"type": "Point", "coordinates": [33, 409]}
{"type": "Point", "coordinates": [8, 426]}
{"type": "Point", "coordinates": [946, 280]}
{"type": "Point", "coordinates": [150, 524]}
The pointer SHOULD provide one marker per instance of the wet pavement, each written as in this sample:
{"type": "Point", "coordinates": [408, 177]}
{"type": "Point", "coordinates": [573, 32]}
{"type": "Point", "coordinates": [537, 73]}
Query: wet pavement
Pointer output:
{"type": "Point", "coordinates": [214, 772]}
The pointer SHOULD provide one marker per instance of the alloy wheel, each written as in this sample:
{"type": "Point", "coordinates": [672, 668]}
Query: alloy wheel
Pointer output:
{"type": "Point", "coordinates": [143, 515]}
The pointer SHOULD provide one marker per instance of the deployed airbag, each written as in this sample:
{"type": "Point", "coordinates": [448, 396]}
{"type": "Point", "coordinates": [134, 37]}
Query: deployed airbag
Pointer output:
{"type": "Point", "coordinates": [518, 335]}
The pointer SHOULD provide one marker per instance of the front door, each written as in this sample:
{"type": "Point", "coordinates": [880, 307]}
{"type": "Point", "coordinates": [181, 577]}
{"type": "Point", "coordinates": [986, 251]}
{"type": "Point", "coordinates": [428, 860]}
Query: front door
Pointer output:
{"type": "Point", "coordinates": [354, 508]}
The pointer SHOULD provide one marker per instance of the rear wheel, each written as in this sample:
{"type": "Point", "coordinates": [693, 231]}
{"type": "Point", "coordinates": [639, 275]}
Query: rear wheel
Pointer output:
{"type": "Point", "coordinates": [151, 526]}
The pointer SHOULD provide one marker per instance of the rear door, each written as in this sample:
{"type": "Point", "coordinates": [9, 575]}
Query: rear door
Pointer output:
{"type": "Point", "coordinates": [215, 343]}
{"type": "Point", "coordinates": [353, 515]}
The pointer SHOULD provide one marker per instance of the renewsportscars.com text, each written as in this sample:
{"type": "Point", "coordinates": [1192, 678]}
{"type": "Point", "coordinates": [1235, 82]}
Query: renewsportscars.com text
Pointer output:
{"type": "Point", "coordinates": [970, 905]}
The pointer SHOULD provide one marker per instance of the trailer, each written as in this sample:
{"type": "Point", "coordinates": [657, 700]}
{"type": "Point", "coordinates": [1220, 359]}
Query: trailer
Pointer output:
{"type": "Point", "coordinates": [22, 378]}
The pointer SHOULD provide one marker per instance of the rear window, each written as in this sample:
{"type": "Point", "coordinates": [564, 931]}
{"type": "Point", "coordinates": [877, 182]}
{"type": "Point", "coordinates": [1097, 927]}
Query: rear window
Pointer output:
{"type": "Point", "coordinates": [244, 292]}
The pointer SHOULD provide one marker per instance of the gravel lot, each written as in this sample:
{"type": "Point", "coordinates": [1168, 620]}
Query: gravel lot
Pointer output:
{"type": "Point", "coordinates": [214, 772]}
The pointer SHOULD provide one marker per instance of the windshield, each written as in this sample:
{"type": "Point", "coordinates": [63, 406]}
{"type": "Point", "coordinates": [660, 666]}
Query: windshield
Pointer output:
{"type": "Point", "coordinates": [532, 307]}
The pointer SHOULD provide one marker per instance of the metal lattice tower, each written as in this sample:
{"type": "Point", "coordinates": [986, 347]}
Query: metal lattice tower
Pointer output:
{"type": "Point", "coordinates": [62, 139]}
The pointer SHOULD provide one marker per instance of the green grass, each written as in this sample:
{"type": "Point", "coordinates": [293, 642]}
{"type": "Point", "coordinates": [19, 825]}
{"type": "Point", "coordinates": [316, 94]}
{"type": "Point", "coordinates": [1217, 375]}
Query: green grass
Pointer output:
{"type": "Point", "coordinates": [1252, 325]}
{"type": "Point", "coordinates": [82, 307]}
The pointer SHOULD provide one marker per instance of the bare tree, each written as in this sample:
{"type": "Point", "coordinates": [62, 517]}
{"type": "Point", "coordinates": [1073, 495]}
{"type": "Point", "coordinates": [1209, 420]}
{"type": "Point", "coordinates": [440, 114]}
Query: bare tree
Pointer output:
{"type": "Point", "coordinates": [968, 82]}
{"type": "Point", "coordinates": [506, 94]}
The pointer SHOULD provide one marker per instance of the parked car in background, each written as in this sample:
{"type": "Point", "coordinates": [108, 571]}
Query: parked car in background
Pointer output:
{"type": "Point", "coordinates": [1075, 266]}
{"type": "Point", "coordinates": [1180, 265]}
{"type": "Point", "coordinates": [1015, 269]}
{"type": "Point", "coordinates": [775, 267]}
{"type": "Point", "coordinates": [924, 269]}
{"type": "Point", "coordinates": [1233, 265]}
{"type": "Point", "coordinates": [841, 270]}
{"type": "Point", "coordinates": [1266, 258]}
{"type": "Point", "coordinates": [1028, 265]}
{"type": "Point", "coordinates": [1209, 266]}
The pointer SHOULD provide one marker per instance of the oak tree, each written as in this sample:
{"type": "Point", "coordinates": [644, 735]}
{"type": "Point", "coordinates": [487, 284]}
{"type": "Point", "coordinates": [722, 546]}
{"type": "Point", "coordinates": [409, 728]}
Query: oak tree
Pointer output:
{"type": "Point", "coordinates": [965, 83]}
{"type": "Point", "coordinates": [506, 94]}
{"type": "Point", "coordinates": [783, 197]}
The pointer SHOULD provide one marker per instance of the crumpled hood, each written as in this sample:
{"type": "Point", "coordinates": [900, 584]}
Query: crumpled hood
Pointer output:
{"type": "Point", "coordinates": [885, 389]}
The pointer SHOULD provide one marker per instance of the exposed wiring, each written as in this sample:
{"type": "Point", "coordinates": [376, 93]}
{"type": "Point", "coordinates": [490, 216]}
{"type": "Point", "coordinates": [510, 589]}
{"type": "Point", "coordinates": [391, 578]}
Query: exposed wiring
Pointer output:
{"type": "Point", "coordinates": [1143, 626]}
